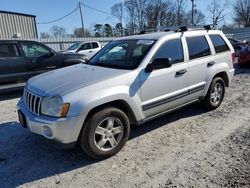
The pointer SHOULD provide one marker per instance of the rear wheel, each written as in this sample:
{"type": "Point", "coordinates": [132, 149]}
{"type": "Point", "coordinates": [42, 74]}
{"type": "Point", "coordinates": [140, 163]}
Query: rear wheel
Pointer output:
{"type": "Point", "coordinates": [105, 133]}
{"type": "Point", "coordinates": [215, 94]}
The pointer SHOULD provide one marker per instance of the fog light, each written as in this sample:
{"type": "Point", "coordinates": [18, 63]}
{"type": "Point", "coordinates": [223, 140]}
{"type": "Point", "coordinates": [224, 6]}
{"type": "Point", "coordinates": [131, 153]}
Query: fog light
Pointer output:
{"type": "Point", "coordinates": [47, 132]}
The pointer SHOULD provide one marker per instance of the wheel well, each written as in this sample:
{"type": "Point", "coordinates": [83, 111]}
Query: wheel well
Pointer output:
{"type": "Point", "coordinates": [120, 104]}
{"type": "Point", "coordinates": [224, 76]}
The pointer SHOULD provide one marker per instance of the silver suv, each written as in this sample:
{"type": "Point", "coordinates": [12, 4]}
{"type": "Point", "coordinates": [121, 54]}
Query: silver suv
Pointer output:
{"type": "Point", "coordinates": [130, 81]}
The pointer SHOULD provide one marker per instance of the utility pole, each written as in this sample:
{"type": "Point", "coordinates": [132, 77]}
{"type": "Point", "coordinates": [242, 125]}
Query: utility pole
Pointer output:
{"type": "Point", "coordinates": [193, 9]}
{"type": "Point", "coordinates": [80, 8]}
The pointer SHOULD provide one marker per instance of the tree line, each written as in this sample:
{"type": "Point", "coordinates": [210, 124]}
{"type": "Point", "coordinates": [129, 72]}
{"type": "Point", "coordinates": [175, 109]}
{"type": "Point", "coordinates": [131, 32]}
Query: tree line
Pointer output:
{"type": "Point", "coordinates": [135, 15]}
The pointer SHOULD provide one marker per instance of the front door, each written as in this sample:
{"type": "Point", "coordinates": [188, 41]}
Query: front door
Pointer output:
{"type": "Point", "coordinates": [37, 56]}
{"type": "Point", "coordinates": [165, 89]}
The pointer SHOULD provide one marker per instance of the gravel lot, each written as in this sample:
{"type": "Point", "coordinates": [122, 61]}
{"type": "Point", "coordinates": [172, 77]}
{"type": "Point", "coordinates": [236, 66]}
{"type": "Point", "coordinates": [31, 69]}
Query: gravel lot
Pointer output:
{"type": "Point", "coordinates": [190, 147]}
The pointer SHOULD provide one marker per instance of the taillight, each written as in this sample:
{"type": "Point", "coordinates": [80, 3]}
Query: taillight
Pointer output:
{"type": "Point", "coordinates": [233, 57]}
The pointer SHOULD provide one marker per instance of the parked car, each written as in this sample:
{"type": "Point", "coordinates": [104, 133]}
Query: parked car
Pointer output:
{"type": "Point", "coordinates": [238, 45]}
{"type": "Point", "coordinates": [132, 80]}
{"type": "Point", "coordinates": [242, 49]}
{"type": "Point", "coordinates": [89, 49]}
{"type": "Point", "coordinates": [20, 60]}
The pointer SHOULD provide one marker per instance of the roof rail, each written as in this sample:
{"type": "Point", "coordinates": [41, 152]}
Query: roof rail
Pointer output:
{"type": "Point", "coordinates": [177, 29]}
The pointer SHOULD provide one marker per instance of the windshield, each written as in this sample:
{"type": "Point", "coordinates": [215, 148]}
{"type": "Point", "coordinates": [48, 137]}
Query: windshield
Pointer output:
{"type": "Point", "coordinates": [74, 46]}
{"type": "Point", "coordinates": [122, 54]}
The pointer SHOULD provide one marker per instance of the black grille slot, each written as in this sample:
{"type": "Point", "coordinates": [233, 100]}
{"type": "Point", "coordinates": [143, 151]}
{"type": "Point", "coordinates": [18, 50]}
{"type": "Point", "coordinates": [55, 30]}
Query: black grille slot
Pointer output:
{"type": "Point", "coordinates": [32, 101]}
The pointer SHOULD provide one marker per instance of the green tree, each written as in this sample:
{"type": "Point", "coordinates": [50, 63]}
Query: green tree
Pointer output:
{"type": "Point", "coordinates": [108, 31]}
{"type": "Point", "coordinates": [98, 29]}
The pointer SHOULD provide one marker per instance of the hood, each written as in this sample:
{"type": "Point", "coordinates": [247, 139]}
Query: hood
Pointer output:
{"type": "Point", "coordinates": [65, 80]}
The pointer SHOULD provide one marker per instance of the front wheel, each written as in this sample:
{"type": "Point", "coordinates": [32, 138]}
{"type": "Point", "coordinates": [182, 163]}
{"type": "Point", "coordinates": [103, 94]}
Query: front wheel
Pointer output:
{"type": "Point", "coordinates": [105, 133]}
{"type": "Point", "coordinates": [215, 94]}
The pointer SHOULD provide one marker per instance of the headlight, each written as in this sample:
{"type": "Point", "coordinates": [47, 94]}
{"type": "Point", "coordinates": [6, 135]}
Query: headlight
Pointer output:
{"type": "Point", "coordinates": [54, 106]}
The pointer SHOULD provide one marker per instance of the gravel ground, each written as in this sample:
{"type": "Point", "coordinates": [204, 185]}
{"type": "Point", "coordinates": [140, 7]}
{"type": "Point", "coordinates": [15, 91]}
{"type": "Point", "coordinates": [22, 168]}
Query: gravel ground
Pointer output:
{"type": "Point", "coordinates": [187, 148]}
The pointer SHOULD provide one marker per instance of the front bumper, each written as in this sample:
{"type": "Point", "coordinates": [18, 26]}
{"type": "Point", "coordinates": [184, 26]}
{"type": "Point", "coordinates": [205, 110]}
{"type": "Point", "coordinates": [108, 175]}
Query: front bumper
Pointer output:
{"type": "Point", "coordinates": [63, 130]}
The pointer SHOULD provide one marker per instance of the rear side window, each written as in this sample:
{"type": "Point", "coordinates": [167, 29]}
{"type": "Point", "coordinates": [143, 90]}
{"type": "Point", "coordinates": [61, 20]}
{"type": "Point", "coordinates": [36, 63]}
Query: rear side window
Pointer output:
{"type": "Point", "coordinates": [198, 47]}
{"type": "Point", "coordinates": [171, 49]}
{"type": "Point", "coordinates": [219, 44]}
{"type": "Point", "coordinates": [8, 50]}
{"type": "Point", "coordinates": [95, 45]}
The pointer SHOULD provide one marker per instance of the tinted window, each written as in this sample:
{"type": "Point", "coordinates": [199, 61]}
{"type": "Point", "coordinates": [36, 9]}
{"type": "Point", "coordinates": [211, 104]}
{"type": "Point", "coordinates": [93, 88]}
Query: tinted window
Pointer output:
{"type": "Point", "coordinates": [85, 46]}
{"type": "Point", "coordinates": [95, 45]}
{"type": "Point", "coordinates": [219, 43]}
{"type": "Point", "coordinates": [8, 50]}
{"type": "Point", "coordinates": [32, 49]}
{"type": "Point", "coordinates": [198, 47]}
{"type": "Point", "coordinates": [171, 49]}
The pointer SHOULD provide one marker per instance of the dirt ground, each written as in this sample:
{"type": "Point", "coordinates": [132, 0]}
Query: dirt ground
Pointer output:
{"type": "Point", "coordinates": [190, 147]}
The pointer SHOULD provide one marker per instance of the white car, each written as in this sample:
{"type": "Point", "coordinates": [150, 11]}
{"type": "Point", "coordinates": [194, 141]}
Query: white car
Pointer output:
{"type": "Point", "coordinates": [131, 81]}
{"type": "Point", "coordinates": [89, 49]}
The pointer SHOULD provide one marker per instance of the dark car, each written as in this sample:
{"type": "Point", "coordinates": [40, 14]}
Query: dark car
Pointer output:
{"type": "Point", "coordinates": [238, 45]}
{"type": "Point", "coordinates": [242, 49]}
{"type": "Point", "coordinates": [20, 60]}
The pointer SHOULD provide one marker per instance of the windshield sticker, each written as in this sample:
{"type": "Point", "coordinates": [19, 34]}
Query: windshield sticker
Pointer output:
{"type": "Point", "coordinates": [145, 42]}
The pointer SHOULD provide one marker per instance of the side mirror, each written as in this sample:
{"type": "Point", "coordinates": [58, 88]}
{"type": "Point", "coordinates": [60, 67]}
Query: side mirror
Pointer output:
{"type": "Point", "coordinates": [160, 63]}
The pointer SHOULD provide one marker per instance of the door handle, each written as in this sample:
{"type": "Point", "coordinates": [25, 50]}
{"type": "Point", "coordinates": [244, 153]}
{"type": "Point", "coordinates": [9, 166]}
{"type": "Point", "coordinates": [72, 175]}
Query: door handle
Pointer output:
{"type": "Point", "coordinates": [210, 64]}
{"type": "Point", "coordinates": [90, 51]}
{"type": "Point", "coordinates": [181, 72]}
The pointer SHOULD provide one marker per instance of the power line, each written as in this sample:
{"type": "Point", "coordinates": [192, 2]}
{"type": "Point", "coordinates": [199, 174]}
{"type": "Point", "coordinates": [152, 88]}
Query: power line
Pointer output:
{"type": "Point", "coordinates": [53, 21]}
{"type": "Point", "coordinates": [95, 9]}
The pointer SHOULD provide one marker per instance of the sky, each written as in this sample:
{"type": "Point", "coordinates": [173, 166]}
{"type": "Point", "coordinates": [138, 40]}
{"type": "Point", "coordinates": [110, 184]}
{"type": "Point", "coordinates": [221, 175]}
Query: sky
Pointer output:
{"type": "Point", "coordinates": [47, 10]}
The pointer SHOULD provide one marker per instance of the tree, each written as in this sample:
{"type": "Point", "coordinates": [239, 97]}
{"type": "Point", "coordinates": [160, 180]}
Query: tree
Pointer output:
{"type": "Point", "coordinates": [180, 12]}
{"type": "Point", "coordinates": [199, 18]}
{"type": "Point", "coordinates": [44, 35]}
{"type": "Point", "coordinates": [108, 31]}
{"type": "Point", "coordinates": [129, 7]}
{"type": "Point", "coordinates": [217, 11]}
{"type": "Point", "coordinates": [160, 13]}
{"type": "Point", "coordinates": [78, 32]}
{"type": "Point", "coordinates": [117, 11]}
{"type": "Point", "coordinates": [242, 12]}
{"type": "Point", "coordinates": [118, 30]}
{"type": "Point", "coordinates": [98, 30]}
{"type": "Point", "coordinates": [58, 32]}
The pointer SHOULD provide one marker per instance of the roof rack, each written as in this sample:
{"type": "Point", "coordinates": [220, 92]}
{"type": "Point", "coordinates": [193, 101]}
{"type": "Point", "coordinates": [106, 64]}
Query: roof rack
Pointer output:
{"type": "Point", "coordinates": [177, 29]}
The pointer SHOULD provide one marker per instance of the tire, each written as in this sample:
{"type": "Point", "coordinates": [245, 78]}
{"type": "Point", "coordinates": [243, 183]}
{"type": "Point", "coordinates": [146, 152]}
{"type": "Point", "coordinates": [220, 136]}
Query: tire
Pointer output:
{"type": "Point", "coordinates": [105, 133]}
{"type": "Point", "coordinates": [212, 102]}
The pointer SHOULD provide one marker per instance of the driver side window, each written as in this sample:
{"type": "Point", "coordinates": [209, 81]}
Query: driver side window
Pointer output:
{"type": "Point", "coordinates": [32, 49]}
{"type": "Point", "coordinates": [171, 49]}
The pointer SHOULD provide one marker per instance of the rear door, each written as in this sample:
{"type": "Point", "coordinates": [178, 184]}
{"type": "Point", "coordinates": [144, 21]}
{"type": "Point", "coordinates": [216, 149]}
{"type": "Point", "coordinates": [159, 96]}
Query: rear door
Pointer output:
{"type": "Point", "coordinates": [199, 54]}
{"type": "Point", "coordinates": [86, 49]}
{"type": "Point", "coordinates": [12, 64]}
{"type": "Point", "coordinates": [95, 48]}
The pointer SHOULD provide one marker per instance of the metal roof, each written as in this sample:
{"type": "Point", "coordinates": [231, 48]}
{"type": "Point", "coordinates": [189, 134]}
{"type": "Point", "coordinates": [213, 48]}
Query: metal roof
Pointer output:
{"type": "Point", "coordinates": [17, 13]}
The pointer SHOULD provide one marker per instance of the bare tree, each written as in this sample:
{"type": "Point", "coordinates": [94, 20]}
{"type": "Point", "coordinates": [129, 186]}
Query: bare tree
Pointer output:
{"type": "Point", "coordinates": [117, 11]}
{"type": "Point", "coordinates": [78, 32]}
{"type": "Point", "coordinates": [217, 11]}
{"type": "Point", "coordinates": [199, 18]}
{"type": "Point", "coordinates": [129, 7]}
{"type": "Point", "coordinates": [58, 32]}
{"type": "Point", "coordinates": [242, 12]}
{"type": "Point", "coordinates": [140, 7]}
{"type": "Point", "coordinates": [160, 13]}
{"type": "Point", "coordinates": [44, 35]}
{"type": "Point", "coordinates": [180, 12]}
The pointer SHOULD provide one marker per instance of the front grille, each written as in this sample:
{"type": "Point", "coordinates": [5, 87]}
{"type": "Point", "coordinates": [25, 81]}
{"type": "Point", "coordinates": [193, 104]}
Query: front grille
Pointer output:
{"type": "Point", "coordinates": [32, 101]}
